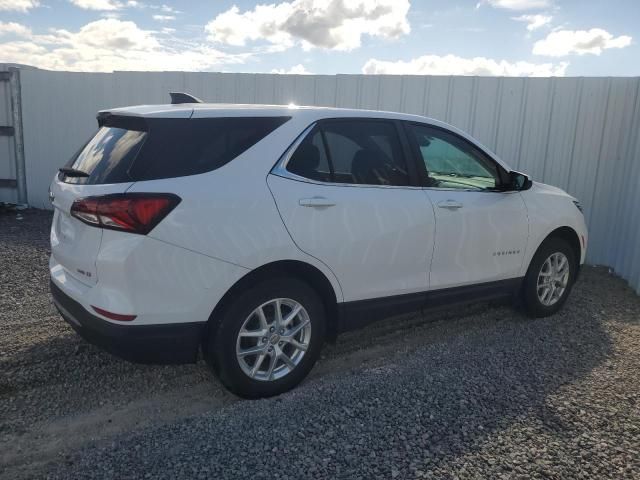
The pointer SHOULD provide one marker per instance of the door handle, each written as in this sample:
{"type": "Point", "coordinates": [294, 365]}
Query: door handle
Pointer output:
{"type": "Point", "coordinates": [450, 204]}
{"type": "Point", "coordinates": [317, 202]}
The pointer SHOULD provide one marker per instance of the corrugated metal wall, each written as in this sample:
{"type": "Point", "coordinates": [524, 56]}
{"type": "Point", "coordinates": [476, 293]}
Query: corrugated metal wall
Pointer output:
{"type": "Point", "coordinates": [580, 134]}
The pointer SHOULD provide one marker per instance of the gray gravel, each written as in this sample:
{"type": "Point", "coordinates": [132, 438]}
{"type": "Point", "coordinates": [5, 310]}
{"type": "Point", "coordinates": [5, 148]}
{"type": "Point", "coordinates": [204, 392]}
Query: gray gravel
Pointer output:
{"type": "Point", "coordinates": [477, 392]}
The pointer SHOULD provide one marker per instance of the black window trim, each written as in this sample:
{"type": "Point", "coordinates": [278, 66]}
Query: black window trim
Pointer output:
{"type": "Point", "coordinates": [280, 169]}
{"type": "Point", "coordinates": [422, 168]}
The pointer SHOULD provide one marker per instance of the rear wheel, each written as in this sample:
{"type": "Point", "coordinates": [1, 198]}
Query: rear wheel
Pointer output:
{"type": "Point", "coordinates": [269, 338]}
{"type": "Point", "coordinates": [550, 277]}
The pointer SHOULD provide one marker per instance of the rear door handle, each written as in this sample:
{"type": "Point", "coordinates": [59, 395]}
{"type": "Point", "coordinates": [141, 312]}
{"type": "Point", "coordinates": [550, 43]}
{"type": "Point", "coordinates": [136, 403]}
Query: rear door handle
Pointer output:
{"type": "Point", "coordinates": [317, 202]}
{"type": "Point", "coordinates": [450, 204]}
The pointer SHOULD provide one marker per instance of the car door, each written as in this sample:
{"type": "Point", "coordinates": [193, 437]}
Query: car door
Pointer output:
{"type": "Point", "coordinates": [348, 197]}
{"type": "Point", "coordinates": [481, 228]}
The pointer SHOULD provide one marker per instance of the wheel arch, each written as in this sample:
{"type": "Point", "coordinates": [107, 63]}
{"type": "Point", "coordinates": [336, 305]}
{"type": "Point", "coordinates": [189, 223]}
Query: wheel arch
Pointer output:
{"type": "Point", "coordinates": [569, 235]}
{"type": "Point", "coordinates": [306, 272]}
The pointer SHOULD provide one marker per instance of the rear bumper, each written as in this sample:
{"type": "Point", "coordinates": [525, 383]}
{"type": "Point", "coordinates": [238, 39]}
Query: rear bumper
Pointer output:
{"type": "Point", "coordinates": [160, 344]}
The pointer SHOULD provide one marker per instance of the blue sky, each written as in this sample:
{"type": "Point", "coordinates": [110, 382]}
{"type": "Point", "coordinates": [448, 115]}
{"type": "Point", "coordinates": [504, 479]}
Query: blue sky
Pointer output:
{"type": "Point", "coordinates": [467, 37]}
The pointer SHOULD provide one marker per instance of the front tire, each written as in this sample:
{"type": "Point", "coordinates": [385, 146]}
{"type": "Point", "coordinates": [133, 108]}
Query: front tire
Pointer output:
{"type": "Point", "coordinates": [549, 278]}
{"type": "Point", "coordinates": [268, 338]}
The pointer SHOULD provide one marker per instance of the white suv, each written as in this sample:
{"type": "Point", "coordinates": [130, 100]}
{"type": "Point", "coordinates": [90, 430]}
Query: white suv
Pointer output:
{"type": "Point", "coordinates": [255, 233]}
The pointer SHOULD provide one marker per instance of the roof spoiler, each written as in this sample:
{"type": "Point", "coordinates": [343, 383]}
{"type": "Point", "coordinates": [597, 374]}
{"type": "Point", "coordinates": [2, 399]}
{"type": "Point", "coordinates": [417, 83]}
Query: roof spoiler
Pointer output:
{"type": "Point", "coordinates": [181, 97]}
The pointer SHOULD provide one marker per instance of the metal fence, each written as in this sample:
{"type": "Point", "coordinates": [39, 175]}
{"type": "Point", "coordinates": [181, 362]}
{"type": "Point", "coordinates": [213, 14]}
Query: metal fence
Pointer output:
{"type": "Point", "coordinates": [581, 134]}
{"type": "Point", "coordinates": [12, 174]}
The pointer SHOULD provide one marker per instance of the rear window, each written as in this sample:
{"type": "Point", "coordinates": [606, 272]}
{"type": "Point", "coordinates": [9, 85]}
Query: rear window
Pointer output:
{"type": "Point", "coordinates": [135, 149]}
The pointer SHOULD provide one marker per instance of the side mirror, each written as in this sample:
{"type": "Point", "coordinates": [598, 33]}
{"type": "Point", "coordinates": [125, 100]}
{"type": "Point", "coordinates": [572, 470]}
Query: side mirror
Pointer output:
{"type": "Point", "coordinates": [519, 181]}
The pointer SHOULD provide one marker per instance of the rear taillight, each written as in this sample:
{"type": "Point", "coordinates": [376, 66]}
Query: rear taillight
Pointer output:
{"type": "Point", "coordinates": [128, 212]}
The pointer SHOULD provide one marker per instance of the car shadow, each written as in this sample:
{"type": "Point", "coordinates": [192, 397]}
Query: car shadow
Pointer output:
{"type": "Point", "coordinates": [402, 396]}
{"type": "Point", "coordinates": [466, 375]}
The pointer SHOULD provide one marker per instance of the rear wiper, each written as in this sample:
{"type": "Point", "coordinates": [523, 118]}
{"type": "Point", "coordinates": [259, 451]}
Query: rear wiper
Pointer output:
{"type": "Point", "coordinates": [73, 172]}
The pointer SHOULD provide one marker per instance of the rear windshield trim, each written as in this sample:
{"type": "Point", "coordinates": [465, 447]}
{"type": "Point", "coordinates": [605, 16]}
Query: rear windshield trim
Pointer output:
{"type": "Point", "coordinates": [128, 122]}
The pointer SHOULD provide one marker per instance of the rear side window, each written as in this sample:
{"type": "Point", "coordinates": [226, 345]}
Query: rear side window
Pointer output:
{"type": "Point", "coordinates": [310, 158]}
{"type": "Point", "coordinates": [366, 152]}
{"type": "Point", "coordinates": [154, 148]}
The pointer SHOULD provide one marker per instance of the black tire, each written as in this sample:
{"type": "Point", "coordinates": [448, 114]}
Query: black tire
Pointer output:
{"type": "Point", "coordinates": [532, 304]}
{"type": "Point", "coordinates": [221, 349]}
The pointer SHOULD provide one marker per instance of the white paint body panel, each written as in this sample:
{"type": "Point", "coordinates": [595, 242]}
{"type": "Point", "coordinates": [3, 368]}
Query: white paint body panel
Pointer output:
{"type": "Point", "coordinates": [482, 241]}
{"type": "Point", "coordinates": [378, 241]}
{"type": "Point", "coordinates": [73, 243]}
{"type": "Point", "coordinates": [158, 282]}
{"type": "Point", "coordinates": [549, 208]}
{"type": "Point", "coordinates": [375, 242]}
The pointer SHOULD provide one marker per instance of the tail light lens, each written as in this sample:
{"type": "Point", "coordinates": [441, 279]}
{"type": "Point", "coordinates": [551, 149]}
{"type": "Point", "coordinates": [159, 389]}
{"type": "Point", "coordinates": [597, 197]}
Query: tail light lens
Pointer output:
{"type": "Point", "coordinates": [128, 212]}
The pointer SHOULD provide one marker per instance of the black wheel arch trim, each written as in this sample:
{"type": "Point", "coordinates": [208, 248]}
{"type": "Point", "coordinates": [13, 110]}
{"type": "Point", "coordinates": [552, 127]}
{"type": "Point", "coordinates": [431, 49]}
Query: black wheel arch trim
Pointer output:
{"type": "Point", "coordinates": [569, 235]}
{"type": "Point", "coordinates": [303, 271]}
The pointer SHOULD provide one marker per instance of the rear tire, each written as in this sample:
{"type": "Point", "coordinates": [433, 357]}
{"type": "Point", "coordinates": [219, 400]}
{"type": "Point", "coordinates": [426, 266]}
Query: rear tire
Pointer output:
{"type": "Point", "coordinates": [257, 353]}
{"type": "Point", "coordinates": [549, 279]}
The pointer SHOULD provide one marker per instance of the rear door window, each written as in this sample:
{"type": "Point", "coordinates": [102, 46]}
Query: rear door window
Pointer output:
{"type": "Point", "coordinates": [127, 150]}
{"type": "Point", "coordinates": [366, 152]}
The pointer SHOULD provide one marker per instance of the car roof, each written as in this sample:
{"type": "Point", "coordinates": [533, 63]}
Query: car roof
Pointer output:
{"type": "Point", "coordinates": [307, 113]}
{"type": "Point", "coordinates": [203, 110]}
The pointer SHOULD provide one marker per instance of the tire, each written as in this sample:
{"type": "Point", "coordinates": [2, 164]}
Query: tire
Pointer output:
{"type": "Point", "coordinates": [534, 305]}
{"type": "Point", "coordinates": [242, 315]}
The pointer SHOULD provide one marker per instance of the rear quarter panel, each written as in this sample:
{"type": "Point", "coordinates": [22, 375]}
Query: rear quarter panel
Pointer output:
{"type": "Point", "coordinates": [229, 214]}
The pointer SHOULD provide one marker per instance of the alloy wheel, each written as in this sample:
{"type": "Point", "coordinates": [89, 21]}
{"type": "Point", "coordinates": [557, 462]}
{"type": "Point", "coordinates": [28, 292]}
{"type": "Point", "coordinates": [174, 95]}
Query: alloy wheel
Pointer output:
{"type": "Point", "coordinates": [553, 279]}
{"type": "Point", "coordinates": [273, 339]}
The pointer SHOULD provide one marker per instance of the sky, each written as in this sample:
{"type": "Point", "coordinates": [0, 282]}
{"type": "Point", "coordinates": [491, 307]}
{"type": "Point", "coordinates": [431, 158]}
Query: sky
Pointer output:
{"type": "Point", "coordinates": [423, 37]}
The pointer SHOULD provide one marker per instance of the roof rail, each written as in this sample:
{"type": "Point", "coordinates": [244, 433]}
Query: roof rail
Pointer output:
{"type": "Point", "coordinates": [181, 97]}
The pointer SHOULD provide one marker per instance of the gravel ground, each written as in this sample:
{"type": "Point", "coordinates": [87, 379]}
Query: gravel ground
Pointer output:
{"type": "Point", "coordinates": [476, 392]}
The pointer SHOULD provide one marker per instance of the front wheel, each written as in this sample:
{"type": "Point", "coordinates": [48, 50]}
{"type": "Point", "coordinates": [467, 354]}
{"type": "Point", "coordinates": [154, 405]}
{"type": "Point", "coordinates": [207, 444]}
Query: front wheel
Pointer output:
{"type": "Point", "coordinates": [549, 278]}
{"type": "Point", "coordinates": [269, 338]}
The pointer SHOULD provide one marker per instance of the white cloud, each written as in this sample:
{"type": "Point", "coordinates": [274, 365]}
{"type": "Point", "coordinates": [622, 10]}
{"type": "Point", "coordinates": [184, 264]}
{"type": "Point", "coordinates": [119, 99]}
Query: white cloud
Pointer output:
{"type": "Point", "coordinates": [168, 9]}
{"type": "Point", "coordinates": [106, 5]}
{"type": "Point", "coordinates": [516, 4]}
{"type": "Point", "coordinates": [534, 22]}
{"type": "Point", "coordinates": [111, 44]}
{"type": "Point", "coordinates": [12, 28]}
{"type": "Point", "coordinates": [18, 5]}
{"type": "Point", "coordinates": [454, 65]}
{"type": "Point", "coordinates": [164, 18]}
{"type": "Point", "coordinates": [566, 42]}
{"type": "Point", "coordinates": [333, 24]}
{"type": "Point", "coordinates": [295, 70]}
{"type": "Point", "coordinates": [97, 4]}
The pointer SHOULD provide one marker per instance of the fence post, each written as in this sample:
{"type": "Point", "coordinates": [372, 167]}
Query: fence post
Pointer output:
{"type": "Point", "coordinates": [18, 139]}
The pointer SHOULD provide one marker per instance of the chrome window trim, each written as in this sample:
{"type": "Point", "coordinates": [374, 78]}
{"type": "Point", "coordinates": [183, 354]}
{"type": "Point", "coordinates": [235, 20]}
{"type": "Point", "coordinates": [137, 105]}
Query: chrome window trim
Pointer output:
{"type": "Point", "coordinates": [280, 167]}
{"type": "Point", "coordinates": [280, 170]}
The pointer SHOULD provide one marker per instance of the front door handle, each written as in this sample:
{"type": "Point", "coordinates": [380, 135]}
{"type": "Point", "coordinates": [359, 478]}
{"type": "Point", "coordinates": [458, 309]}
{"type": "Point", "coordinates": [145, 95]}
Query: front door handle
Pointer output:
{"type": "Point", "coordinates": [317, 202]}
{"type": "Point", "coordinates": [450, 204]}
